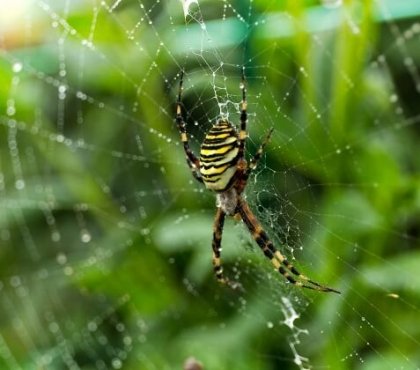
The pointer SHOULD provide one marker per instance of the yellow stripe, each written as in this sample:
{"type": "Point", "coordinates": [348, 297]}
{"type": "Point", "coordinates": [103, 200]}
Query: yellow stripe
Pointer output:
{"type": "Point", "coordinates": [223, 129]}
{"type": "Point", "coordinates": [279, 256]}
{"type": "Point", "coordinates": [275, 262]}
{"type": "Point", "coordinates": [221, 150]}
{"type": "Point", "coordinates": [229, 140]}
{"type": "Point", "coordinates": [218, 136]}
{"type": "Point", "coordinates": [221, 181]}
{"type": "Point", "coordinates": [213, 171]}
{"type": "Point", "coordinates": [226, 158]}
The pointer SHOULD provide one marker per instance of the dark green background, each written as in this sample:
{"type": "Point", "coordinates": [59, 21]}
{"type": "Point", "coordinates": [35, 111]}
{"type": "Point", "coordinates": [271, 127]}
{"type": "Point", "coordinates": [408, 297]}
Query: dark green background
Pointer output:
{"type": "Point", "coordinates": [105, 258]}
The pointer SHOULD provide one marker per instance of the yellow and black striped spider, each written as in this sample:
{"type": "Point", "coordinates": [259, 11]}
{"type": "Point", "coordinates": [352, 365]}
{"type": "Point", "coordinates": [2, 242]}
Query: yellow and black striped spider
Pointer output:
{"type": "Point", "coordinates": [222, 168]}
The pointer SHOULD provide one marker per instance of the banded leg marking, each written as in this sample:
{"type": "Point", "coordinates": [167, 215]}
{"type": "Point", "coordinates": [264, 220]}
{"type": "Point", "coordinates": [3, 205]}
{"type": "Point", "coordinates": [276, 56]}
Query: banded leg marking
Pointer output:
{"type": "Point", "coordinates": [254, 161]}
{"type": "Point", "coordinates": [216, 246]}
{"type": "Point", "coordinates": [192, 160]}
{"type": "Point", "coordinates": [243, 118]}
{"type": "Point", "coordinates": [279, 261]}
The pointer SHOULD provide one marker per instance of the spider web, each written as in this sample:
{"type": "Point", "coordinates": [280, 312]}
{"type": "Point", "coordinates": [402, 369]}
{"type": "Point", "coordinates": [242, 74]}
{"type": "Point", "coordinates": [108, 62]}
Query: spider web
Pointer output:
{"type": "Point", "coordinates": [105, 236]}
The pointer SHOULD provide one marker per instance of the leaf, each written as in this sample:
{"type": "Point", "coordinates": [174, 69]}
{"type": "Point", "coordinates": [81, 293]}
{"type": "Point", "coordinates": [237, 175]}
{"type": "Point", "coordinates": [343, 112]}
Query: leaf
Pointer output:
{"type": "Point", "coordinates": [399, 273]}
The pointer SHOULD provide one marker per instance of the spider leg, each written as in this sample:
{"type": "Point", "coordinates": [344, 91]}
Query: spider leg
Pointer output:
{"type": "Point", "coordinates": [254, 160]}
{"type": "Point", "coordinates": [219, 221]}
{"type": "Point", "coordinates": [192, 160]}
{"type": "Point", "coordinates": [277, 259]}
{"type": "Point", "coordinates": [243, 118]}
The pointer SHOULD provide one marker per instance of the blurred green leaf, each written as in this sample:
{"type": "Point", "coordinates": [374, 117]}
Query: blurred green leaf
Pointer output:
{"type": "Point", "coordinates": [397, 273]}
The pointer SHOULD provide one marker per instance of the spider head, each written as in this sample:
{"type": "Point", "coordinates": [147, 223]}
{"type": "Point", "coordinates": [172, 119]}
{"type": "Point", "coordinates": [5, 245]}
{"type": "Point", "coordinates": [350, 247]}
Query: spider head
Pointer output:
{"type": "Point", "coordinates": [222, 121]}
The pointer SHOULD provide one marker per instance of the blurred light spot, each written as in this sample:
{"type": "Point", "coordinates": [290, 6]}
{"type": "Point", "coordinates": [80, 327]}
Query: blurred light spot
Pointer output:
{"type": "Point", "coordinates": [332, 3]}
{"type": "Point", "coordinates": [12, 12]}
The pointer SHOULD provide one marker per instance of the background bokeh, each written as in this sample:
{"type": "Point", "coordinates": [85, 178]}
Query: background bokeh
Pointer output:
{"type": "Point", "coordinates": [105, 238]}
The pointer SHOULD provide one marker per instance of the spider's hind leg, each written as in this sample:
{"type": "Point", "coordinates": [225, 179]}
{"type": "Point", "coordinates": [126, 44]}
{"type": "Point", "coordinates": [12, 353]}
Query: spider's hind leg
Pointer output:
{"type": "Point", "coordinates": [217, 249]}
{"type": "Point", "coordinates": [316, 286]}
{"type": "Point", "coordinates": [277, 259]}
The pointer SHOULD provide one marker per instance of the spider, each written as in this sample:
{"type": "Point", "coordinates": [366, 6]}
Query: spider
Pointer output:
{"type": "Point", "coordinates": [222, 168]}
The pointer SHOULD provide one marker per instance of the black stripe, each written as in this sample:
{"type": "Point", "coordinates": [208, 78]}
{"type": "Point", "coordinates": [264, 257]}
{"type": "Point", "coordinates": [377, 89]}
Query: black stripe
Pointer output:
{"type": "Point", "coordinates": [211, 145]}
{"type": "Point", "coordinates": [221, 129]}
{"type": "Point", "coordinates": [268, 253]}
{"type": "Point", "coordinates": [209, 178]}
{"type": "Point", "coordinates": [284, 272]}
{"type": "Point", "coordinates": [247, 221]}
{"type": "Point", "coordinates": [290, 267]}
{"type": "Point", "coordinates": [218, 158]}
{"type": "Point", "coordinates": [209, 164]}
{"type": "Point", "coordinates": [229, 148]}
{"type": "Point", "coordinates": [211, 158]}
{"type": "Point", "coordinates": [219, 165]}
{"type": "Point", "coordinates": [218, 140]}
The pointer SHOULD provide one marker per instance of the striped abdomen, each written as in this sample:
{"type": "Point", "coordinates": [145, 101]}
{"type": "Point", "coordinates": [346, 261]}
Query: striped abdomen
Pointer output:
{"type": "Point", "coordinates": [219, 156]}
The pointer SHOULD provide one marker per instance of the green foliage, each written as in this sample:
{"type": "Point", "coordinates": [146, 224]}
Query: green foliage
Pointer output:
{"type": "Point", "coordinates": [105, 255]}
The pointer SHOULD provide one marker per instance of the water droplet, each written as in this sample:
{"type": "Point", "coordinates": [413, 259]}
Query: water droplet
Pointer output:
{"type": "Point", "coordinates": [303, 70]}
{"type": "Point", "coordinates": [53, 327]}
{"type": "Point", "coordinates": [55, 236]}
{"type": "Point", "coordinates": [120, 327]}
{"type": "Point", "coordinates": [116, 363]}
{"type": "Point", "coordinates": [11, 110]}
{"type": "Point", "coordinates": [17, 67]}
{"type": "Point", "coordinates": [127, 340]}
{"type": "Point", "coordinates": [85, 236]}
{"type": "Point", "coordinates": [81, 95]}
{"type": "Point", "coordinates": [15, 281]}
{"type": "Point", "coordinates": [68, 270]}
{"type": "Point", "coordinates": [19, 184]}
{"type": "Point", "coordinates": [92, 326]}
{"type": "Point", "coordinates": [61, 258]}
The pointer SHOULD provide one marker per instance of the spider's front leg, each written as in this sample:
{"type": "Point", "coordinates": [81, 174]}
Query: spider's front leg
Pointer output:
{"type": "Point", "coordinates": [192, 160]}
{"type": "Point", "coordinates": [243, 118]}
{"type": "Point", "coordinates": [255, 159]}
{"type": "Point", "coordinates": [219, 221]}
{"type": "Point", "coordinates": [243, 134]}
{"type": "Point", "coordinates": [244, 169]}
